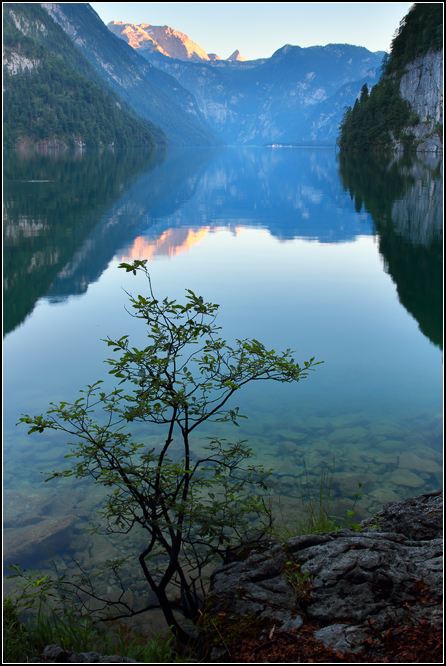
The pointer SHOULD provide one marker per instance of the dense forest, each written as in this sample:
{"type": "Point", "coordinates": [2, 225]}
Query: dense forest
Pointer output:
{"type": "Point", "coordinates": [382, 112]}
{"type": "Point", "coordinates": [50, 101]}
{"type": "Point", "coordinates": [420, 30]}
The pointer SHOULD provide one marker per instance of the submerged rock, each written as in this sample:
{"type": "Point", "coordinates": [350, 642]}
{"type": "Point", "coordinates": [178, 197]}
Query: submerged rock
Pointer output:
{"type": "Point", "coordinates": [25, 507]}
{"type": "Point", "coordinates": [351, 584]}
{"type": "Point", "coordinates": [32, 541]}
{"type": "Point", "coordinates": [413, 462]}
{"type": "Point", "coordinates": [403, 477]}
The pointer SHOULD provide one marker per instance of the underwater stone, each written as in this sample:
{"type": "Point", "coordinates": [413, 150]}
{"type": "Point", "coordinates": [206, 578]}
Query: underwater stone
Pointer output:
{"type": "Point", "coordinates": [321, 445]}
{"type": "Point", "coordinates": [388, 430]}
{"type": "Point", "coordinates": [404, 477]}
{"type": "Point", "coordinates": [355, 455]}
{"type": "Point", "coordinates": [348, 434]}
{"type": "Point", "coordinates": [289, 481]}
{"type": "Point", "coordinates": [290, 434]}
{"type": "Point", "coordinates": [345, 420]}
{"type": "Point", "coordinates": [286, 447]}
{"type": "Point", "coordinates": [348, 482]}
{"type": "Point", "coordinates": [392, 445]}
{"type": "Point", "coordinates": [31, 541]}
{"type": "Point", "coordinates": [384, 494]}
{"type": "Point", "coordinates": [387, 458]}
{"type": "Point", "coordinates": [25, 507]}
{"type": "Point", "coordinates": [411, 461]}
{"type": "Point", "coordinates": [102, 550]}
{"type": "Point", "coordinates": [317, 423]}
{"type": "Point", "coordinates": [427, 452]}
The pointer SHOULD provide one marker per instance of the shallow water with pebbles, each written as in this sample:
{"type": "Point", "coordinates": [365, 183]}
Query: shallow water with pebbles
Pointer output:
{"type": "Point", "coordinates": [390, 460]}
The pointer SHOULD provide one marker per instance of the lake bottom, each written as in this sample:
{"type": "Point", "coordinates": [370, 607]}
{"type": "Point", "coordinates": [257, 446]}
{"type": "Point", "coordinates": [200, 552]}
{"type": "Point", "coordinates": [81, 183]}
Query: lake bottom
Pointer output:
{"type": "Point", "coordinates": [380, 459]}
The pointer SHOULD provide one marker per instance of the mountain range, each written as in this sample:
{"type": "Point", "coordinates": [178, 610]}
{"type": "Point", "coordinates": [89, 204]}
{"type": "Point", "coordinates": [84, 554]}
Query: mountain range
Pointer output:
{"type": "Point", "coordinates": [152, 94]}
{"type": "Point", "coordinates": [192, 97]}
{"type": "Point", "coordinates": [298, 94]}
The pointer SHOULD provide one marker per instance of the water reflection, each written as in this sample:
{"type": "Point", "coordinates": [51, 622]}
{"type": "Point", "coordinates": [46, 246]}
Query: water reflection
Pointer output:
{"type": "Point", "coordinates": [68, 214]}
{"type": "Point", "coordinates": [293, 194]}
{"type": "Point", "coordinates": [404, 196]}
{"type": "Point", "coordinates": [52, 204]}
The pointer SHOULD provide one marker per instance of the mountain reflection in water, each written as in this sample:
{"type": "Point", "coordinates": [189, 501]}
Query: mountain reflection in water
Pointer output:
{"type": "Point", "coordinates": [136, 204]}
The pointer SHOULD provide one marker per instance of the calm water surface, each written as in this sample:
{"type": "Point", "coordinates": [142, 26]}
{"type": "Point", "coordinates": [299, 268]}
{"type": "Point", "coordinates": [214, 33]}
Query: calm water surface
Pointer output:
{"type": "Point", "coordinates": [340, 259]}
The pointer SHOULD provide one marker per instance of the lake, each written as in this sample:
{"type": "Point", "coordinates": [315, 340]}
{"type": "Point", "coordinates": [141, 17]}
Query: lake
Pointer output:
{"type": "Point", "coordinates": [340, 258]}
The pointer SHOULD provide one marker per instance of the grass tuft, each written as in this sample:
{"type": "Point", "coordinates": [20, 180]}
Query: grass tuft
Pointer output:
{"type": "Point", "coordinates": [314, 511]}
{"type": "Point", "coordinates": [26, 638]}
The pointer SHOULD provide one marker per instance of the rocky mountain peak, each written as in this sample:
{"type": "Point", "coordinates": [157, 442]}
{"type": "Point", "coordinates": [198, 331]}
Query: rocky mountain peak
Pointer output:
{"type": "Point", "coordinates": [164, 39]}
{"type": "Point", "coordinates": [237, 56]}
{"type": "Point", "coordinates": [135, 35]}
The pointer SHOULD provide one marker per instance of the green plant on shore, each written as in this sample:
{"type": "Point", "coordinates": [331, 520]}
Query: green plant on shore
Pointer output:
{"type": "Point", "coordinates": [300, 581]}
{"type": "Point", "coordinates": [30, 623]}
{"type": "Point", "coordinates": [194, 512]}
{"type": "Point", "coordinates": [350, 513]}
{"type": "Point", "coordinates": [226, 629]}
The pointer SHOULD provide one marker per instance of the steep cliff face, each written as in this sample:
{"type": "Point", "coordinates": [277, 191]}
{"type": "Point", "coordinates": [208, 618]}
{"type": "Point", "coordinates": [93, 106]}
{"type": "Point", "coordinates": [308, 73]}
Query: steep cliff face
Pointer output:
{"type": "Point", "coordinates": [52, 97]}
{"type": "Point", "coordinates": [15, 63]}
{"type": "Point", "coordinates": [422, 87]}
{"type": "Point", "coordinates": [157, 98]}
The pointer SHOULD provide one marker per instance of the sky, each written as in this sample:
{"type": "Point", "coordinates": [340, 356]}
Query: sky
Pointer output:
{"type": "Point", "coordinates": [258, 29]}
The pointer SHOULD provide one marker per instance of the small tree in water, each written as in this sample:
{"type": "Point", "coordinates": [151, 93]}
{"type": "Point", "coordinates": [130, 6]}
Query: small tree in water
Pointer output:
{"type": "Point", "coordinates": [196, 510]}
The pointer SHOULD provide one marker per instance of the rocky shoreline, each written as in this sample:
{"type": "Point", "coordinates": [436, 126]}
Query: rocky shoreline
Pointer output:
{"type": "Point", "coordinates": [369, 596]}
{"type": "Point", "coordinates": [353, 588]}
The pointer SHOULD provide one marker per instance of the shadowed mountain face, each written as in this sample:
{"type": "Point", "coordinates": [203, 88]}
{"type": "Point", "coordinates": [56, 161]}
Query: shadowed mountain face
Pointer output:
{"type": "Point", "coordinates": [52, 94]}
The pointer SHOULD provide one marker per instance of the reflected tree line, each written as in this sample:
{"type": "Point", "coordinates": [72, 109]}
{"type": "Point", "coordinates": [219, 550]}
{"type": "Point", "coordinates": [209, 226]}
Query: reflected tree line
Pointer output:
{"type": "Point", "coordinates": [404, 195]}
{"type": "Point", "coordinates": [51, 205]}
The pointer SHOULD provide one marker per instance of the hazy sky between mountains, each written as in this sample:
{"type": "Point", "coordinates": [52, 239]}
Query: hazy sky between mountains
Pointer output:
{"type": "Point", "coordinates": [257, 30]}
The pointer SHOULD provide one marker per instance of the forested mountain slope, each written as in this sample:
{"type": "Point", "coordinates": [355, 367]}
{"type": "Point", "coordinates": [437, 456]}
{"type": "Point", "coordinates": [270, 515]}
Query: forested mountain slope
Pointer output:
{"type": "Point", "coordinates": [404, 111]}
{"type": "Point", "coordinates": [131, 76]}
{"type": "Point", "coordinates": [53, 96]}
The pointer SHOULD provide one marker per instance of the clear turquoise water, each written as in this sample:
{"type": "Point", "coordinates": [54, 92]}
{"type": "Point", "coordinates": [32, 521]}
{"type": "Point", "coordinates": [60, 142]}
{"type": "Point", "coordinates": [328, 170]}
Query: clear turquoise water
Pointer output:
{"type": "Point", "coordinates": [341, 261]}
